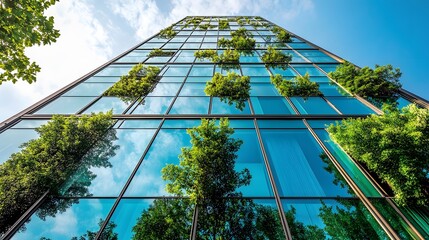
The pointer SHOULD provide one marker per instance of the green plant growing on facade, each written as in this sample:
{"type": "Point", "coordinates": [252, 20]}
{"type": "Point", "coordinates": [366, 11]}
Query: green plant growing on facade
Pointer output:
{"type": "Point", "coordinates": [394, 146]}
{"type": "Point", "coordinates": [299, 86]}
{"type": "Point", "coordinates": [45, 163]}
{"type": "Point", "coordinates": [275, 58]}
{"type": "Point", "coordinates": [281, 34]}
{"type": "Point", "coordinates": [23, 25]}
{"type": "Point", "coordinates": [231, 88]}
{"type": "Point", "coordinates": [227, 57]}
{"type": "Point", "coordinates": [206, 54]}
{"type": "Point", "coordinates": [137, 83]}
{"type": "Point", "coordinates": [379, 85]}
{"type": "Point", "coordinates": [223, 24]}
{"type": "Point", "coordinates": [160, 53]}
{"type": "Point", "coordinates": [206, 26]}
{"type": "Point", "coordinates": [167, 33]}
{"type": "Point", "coordinates": [241, 41]}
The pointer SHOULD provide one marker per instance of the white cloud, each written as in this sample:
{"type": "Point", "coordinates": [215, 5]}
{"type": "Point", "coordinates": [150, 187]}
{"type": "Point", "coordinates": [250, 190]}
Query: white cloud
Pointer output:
{"type": "Point", "coordinates": [83, 45]}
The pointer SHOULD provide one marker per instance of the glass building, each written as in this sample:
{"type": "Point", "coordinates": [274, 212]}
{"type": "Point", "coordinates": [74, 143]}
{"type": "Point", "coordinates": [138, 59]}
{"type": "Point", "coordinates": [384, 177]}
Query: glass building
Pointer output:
{"type": "Point", "coordinates": [309, 186]}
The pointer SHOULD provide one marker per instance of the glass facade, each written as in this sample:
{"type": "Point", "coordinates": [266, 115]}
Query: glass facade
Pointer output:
{"type": "Point", "coordinates": [297, 171]}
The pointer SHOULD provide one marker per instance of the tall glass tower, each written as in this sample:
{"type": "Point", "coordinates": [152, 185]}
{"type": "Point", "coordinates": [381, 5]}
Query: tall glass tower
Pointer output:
{"type": "Point", "coordinates": [303, 185]}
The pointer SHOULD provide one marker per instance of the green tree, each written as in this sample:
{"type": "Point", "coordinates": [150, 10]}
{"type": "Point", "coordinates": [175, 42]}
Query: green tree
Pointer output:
{"type": "Point", "coordinates": [137, 83]}
{"type": "Point", "coordinates": [22, 24]}
{"type": "Point", "coordinates": [231, 88]}
{"type": "Point", "coordinates": [298, 86]}
{"type": "Point", "coordinates": [223, 25]}
{"type": "Point", "coordinates": [275, 58]}
{"type": "Point", "coordinates": [394, 146]}
{"type": "Point", "coordinates": [167, 33]}
{"type": "Point", "coordinates": [242, 41]}
{"type": "Point", "coordinates": [45, 163]}
{"type": "Point", "coordinates": [379, 85]}
{"type": "Point", "coordinates": [228, 57]}
{"type": "Point", "coordinates": [160, 53]}
{"type": "Point", "coordinates": [281, 34]}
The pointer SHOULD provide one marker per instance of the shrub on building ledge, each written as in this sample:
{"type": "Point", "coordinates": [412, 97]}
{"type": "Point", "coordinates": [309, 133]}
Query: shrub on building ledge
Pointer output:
{"type": "Point", "coordinates": [394, 146]}
{"type": "Point", "coordinates": [275, 58]}
{"type": "Point", "coordinates": [301, 86]}
{"type": "Point", "coordinates": [160, 53]}
{"type": "Point", "coordinates": [223, 25]}
{"type": "Point", "coordinates": [380, 85]}
{"type": "Point", "coordinates": [228, 56]}
{"type": "Point", "coordinates": [241, 41]}
{"type": "Point", "coordinates": [167, 33]}
{"type": "Point", "coordinates": [281, 34]}
{"type": "Point", "coordinates": [137, 83]}
{"type": "Point", "coordinates": [231, 88]}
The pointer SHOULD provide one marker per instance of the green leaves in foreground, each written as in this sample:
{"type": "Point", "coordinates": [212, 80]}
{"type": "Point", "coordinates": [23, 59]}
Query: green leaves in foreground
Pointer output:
{"type": "Point", "coordinates": [394, 146]}
{"type": "Point", "coordinates": [22, 24]}
{"type": "Point", "coordinates": [381, 85]}
{"type": "Point", "coordinates": [281, 34]}
{"type": "Point", "coordinates": [231, 88]}
{"type": "Point", "coordinates": [137, 83]}
{"type": "Point", "coordinates": [206, 171]}
{"type": "Point", "coordinates": [167, 33]}
{"type": "Point", "coordinates": [47, 162]}
{"type": "Point", "coordinates": [300, 86]}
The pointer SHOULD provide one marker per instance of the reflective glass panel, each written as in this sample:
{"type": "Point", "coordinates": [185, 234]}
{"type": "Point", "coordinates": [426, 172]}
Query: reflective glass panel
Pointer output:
{"type": "Point", "coordinates": [190, 105]}
{"type": "Point", "coordinates": [106, 104]}
{"type": "Point", "coordinates": [153, 105]}
{"type": "Point", "coordinates": [271, 105]}
{"type": "Point", "coordinates": [65, 105]}
{"type": "Point", "coordinates": [222, 107]}
{"type": "Point", "coordinates": [312, 105]}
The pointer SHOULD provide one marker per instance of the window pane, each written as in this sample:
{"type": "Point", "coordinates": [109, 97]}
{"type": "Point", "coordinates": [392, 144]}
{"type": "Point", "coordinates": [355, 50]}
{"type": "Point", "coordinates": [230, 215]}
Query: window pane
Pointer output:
{"type": "Point", "coordinates": [312, 105]}
{"type": "Point", "coordinates": [191, 105]}
{"type": "Point", "coordinates": [11, 139]}
{"type": "Point", "coordinates": [349, 105]}
{"type": "Point", "coordinates": [220, 107]}
{"type": "Point", "coordinates": [65, 105]}
{"type": "Point", "coordinates": [153, 105]}
{"type": "Point", "coordinates": [88, 89]}
{"type": "Point", "coordinates": [271, 105]}
{"type": "Point", "coordinates": [106, 104]}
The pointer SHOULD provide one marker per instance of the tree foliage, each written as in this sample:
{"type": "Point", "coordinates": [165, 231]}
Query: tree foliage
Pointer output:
{"type": "Point", "coordinates": [379, 85]}
{"type": "Point", "coordinates": [22, 24]}
{"type": "Point", "coordinates": [137, 83]}
{"type": "Point", "coordinates": [394, 146]}
{"type": "Point", "coordinates": [45, 163]}
{"type": "Point", "coordinates": [275, 58]}
{"type": "Point", "coordinates": [298, 86]}
{"type": "Point", "coordinates": [231, 88]}
{"type": "Point", "coordinates": [242, 40]}
{"type": "Point", "coordinates": [229, 56]}
{"type": "Point", "coordinates": [281, 34]}
{"type": "Point", "coordinates": [160, 53]}
{"type": "Point", "coordinates": [167, 33]}
{"type": "Point", "coordinates": [223, 24]}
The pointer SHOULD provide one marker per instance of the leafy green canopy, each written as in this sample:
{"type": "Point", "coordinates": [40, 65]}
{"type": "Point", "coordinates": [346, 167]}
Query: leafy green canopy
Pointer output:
{"type": "Point", "coordinates": [137, 83]}
{"type": "Point", "coordinates": [167, 33]}
{"type": "Point", "coordinates": [206, 26]}
{"type": "Point", "coordinates": [298, 86]}
{"type": "Point", "coordinates": [229, 56]}
{"type": "Point", "coordinates": [241, 40]}
{"type": "Point", "coordinates": [160, 53]}
{"type": "Point", "coordinates": [380, 85]}
{"type": "Point", "coordinates": [47, 162]}
{"type": "Point", "coordinates": [281, 34]}
{"type": "Point", "coordinates": [231, 88]}
{"type": "Point", "coordinates": [275, 58]}
{"type": "Point", "coordinates": [22, 24]}
{"type": "Point", "coordinates": [206, 169]}
{"type": "Point", "coordinates": [223, 24]}
{"type": "Point", "coordinates": [394, 146]}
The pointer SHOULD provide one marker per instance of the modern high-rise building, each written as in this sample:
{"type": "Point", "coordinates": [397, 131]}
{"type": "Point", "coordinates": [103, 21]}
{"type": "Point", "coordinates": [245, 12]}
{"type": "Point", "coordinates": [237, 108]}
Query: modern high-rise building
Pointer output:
{"type": "Point", "coordinates": [303, 185]}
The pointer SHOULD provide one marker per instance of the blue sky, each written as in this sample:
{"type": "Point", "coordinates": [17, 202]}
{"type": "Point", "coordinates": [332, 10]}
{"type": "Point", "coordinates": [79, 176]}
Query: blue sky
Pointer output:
{"type": "Point", "coordinates": [93, 31]}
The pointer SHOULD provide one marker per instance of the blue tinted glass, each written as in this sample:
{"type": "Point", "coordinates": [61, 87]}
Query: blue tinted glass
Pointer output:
{"type": "Point", "coordinates": [102, 79]}
{"type": "Point", "coordinates": [281, 124]}
{"type": "Point", "coordinates": [331, 89]}
{"type": "Point", "coordinates": [328, 67]}
{"type": "Point", "coordinates": [164, 150]}
{"type": "Point", "coordinates": [219, 107]}
{"type": "Point", "coordinates": [172, 46]}
{"type": "Point", "coordinates": [11, 139]}
{"type": "Point", "coordinates": [297, 166]}
{"type": "Point", "coordinates": [178, 39]}
{"type": "Point", "coordinates": [208, 45]}
{"type": "Point", "coordinates": [250, 157]}
{"type": "Point", "coordinates": [310, 69]}
{"type": "Point", "coordinates": [316, 56]}
{"type": "Point", "coordinates": [153, 105]}
{"type": "Point", "coordinates": [103, 176]}
{"type": "Point", "coordinates": [225, 70]}
{"type": "Point", "coordinates": [29, 123]}
{"type": "Point", "coordinates": [88, 89]}
{"type": "Point", "coordinates": [134, 56]}
{"type": "Point", "coordinates": [198, 79]}
{"type": "Point", "coordinates": [195, 39]}
{"type": "Point", "coordinates": [402, 102]}
{"type": "Point", "coordinates": [191, 45]}
{"type": "Point", "coordinates": [320, 123]}
{"type": "Point", "coordinates": [158, 60]}
{"type": "Point", "coordinates": [255, 58]}
{"type": "Point", "coordinates": [300, 45]}
{"type": "Point", "coordinates": [193, 89]}
{"type": "Point", "coordinates": [180, 123]}
{"type": "Point", "coordinates": [190, 105]}
{"type": "Point", "coordinates": [325, 79]}
{"type": "Point", "coordinates": [79, 216]}
{"type": "Point", "coordinates": [65, 105]}
{"type": "Point", "coordinates": [151, 45]}
{"type": "Point", "coordinates": [337, 219]}
{"type": "Point", "coordinates": [260, 80]}
{"type": "Point", "coordinates": [147, 123]}
{"type": "Point", "coordinates": [129, 211]}
{"type": "Point", "coordinates": [312, 105]}
{"type": "Point", "coordinates": [175, 71]}
{"type": "Point", "coordinates": [349, 166]}
{"type": "Point", "coordinates": [201, 71]}
{"type": "Point", "coordinates": [114, 70]}
{"type": "Point", "coordinates": [263, 89]}
{"type": "Point", "coordinates": [295, 57]}
{"type": "Point", "coordinates": [172, 79]}
{"type": "Point", "coordinates": [349, 105]}
{"type": "Point", "coordinates": [288, 72]}
{"type": "Point", "coordinates": [271, 105]}
{"type": "Point", "coordinates": [106, 104]}
{"type": "Point", "coordinates": [234, 123]}
{"type": "Point", "coordinates": [165, 89]}
{"type": "Point", "coordinates": [254, 70]}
